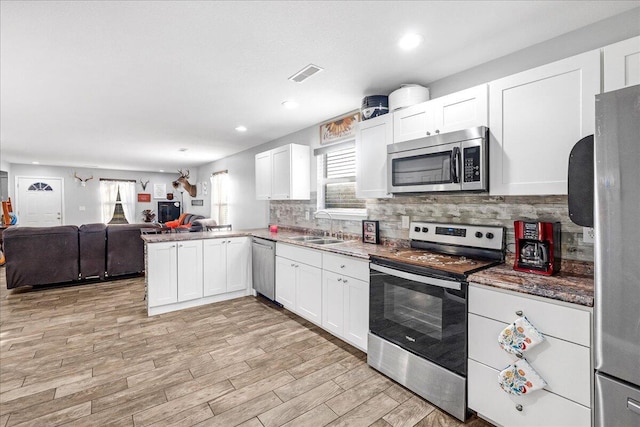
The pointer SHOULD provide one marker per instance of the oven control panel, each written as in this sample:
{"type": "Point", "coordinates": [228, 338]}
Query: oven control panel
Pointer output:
{"type": "Point", "coordinates": [478, 236]}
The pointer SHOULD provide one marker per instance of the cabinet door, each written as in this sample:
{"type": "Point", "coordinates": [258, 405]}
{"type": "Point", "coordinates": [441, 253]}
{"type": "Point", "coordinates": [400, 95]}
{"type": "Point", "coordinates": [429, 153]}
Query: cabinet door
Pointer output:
{"type": "Point", "coordinates": [263, 175]}
{"type": "Point", "coordinates": [356, 312]}
{"type": "Point", "coordinates": [189, 270]}
{"type": "Point", "coordinates": [281, 173]}
{"type": "Point", "coordinates": [286, 283]}
{"type": "Point", "coordinates": [372, 139]}
{"type": "Point", "coordinates": [462, 110]}
{"type": "Point", "coordinates": [215, 266]}
{"type": "Point", "coordinates": [309, 292]}
{"type": "Point", "coordinates": [238, 264]}
{"type": "Point", "coordinates": [333, 303]}
{"type": "Point", "coordinates": [412, 122]}
{"type": "Point", "coordinates": [536, 117]}
{"type": "Point", "coordinates": [162, 273]}
{"type": "Point", "coordinates": [622, 64]}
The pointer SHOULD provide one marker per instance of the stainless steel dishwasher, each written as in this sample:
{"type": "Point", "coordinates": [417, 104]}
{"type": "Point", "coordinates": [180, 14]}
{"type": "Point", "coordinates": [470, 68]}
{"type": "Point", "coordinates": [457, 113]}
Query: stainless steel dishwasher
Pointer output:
{"type": "Point", "coordinates": [264, 267]}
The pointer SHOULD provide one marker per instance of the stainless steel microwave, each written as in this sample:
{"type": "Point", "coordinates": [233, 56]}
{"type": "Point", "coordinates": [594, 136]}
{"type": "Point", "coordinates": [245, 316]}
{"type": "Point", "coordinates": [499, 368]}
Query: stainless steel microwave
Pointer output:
{"type": "Point", "coordinates": [455, 161]}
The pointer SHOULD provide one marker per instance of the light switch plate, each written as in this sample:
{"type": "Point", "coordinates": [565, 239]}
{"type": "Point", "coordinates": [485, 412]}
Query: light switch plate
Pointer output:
{"type": "Point", "coordinates": [587, 234]}
{"type": "Point", "coordinates": [405, 221]}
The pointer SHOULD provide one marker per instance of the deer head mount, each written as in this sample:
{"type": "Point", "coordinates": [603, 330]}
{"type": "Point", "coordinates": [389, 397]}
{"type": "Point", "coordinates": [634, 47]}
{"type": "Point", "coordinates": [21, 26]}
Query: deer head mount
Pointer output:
{"type": "Point", "coordinates": [83, 182]}
{"type": "Point", "coordinates": [191, 189]}
{"type": "Point", "coordinates": [144, 184]}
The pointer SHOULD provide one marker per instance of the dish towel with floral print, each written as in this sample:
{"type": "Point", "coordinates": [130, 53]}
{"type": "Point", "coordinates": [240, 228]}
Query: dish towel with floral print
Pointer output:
{"type": "Point", "coordinates": [520, 378]}
{"type": "Point", "coordinates": [519, 336]}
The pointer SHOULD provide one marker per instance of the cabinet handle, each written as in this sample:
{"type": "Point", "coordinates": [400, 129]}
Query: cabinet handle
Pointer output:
{"type": "Point", "coordinates": [428, 133]}
{"type": "Point", "coordinates": [339, 279]}
{"type": "Point", "coordinates": [519, 408]}
{"type": "Point", "coordinates": [181, 246]}
{"type": "Point", "coordinates": [342, 266]}
{"type": "Point", "coordinates": [293, 265]}
{"type": "Point", "coordinates": [437, 130]}
{"type": "Point", "coordinates": [519, 313]}
{"type": "Point", "coordinates": [172, 246]}
{"type": "Point", "coordinates": [345, 281]}
{"type": "Point", "coordinates": [633, 406]}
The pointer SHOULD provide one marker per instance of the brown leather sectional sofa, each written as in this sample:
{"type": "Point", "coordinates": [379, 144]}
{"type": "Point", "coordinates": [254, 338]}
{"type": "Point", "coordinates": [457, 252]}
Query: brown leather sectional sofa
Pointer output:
{"type": "Point", "coordinates": [67, 253]}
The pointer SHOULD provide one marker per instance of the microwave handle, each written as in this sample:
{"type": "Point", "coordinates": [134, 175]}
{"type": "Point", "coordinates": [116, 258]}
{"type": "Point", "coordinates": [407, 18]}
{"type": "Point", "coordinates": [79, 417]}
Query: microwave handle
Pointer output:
{"type": "Point", "coordinates": [455, 165]}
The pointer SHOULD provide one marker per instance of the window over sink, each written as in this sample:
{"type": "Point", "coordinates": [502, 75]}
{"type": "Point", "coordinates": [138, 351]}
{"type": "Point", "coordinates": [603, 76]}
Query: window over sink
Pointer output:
{"type": "Point", "coordinates": [336, 166]}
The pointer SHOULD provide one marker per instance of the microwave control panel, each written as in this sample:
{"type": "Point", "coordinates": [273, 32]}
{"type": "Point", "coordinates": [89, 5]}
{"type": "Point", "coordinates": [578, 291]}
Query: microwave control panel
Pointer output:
{"type": "Point", "coordinates": [471, 164]}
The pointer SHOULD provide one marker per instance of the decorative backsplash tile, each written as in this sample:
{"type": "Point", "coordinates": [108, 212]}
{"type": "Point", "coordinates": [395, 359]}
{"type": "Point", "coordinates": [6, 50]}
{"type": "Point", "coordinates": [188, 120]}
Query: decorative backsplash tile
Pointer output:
{"type": "Point", "coordinates": [452, 208]}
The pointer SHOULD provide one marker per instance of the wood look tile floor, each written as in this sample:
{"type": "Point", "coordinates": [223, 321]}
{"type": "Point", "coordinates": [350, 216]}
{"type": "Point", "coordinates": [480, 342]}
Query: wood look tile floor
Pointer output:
{"type": "Point", "coordinates": [88, 355]}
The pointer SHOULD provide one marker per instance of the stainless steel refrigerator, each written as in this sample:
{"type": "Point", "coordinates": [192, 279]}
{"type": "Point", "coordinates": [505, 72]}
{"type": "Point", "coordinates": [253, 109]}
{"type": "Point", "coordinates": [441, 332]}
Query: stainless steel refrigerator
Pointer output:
{"type": "Point", "coordinates": [617, 258]}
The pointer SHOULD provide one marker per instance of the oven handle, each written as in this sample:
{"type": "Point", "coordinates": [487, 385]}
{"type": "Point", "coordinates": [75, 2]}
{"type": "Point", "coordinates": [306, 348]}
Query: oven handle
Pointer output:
{"type": "Point", "coordinates": [449, 284]}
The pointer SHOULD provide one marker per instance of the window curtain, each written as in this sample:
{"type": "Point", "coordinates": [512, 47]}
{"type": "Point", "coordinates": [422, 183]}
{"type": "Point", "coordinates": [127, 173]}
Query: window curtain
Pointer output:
{"type": "Point", "coordinates": [127, 198]}
{"type": "Point", "coordinates": [108, 196]}
{"type": "Point", "coordinates": [219, 197]}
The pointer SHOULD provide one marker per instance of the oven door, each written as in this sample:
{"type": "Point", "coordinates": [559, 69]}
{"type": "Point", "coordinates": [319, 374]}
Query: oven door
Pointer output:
{"type": "Point", "coordinates": [425, 169]}
{"type": "Point", "coordinates": [422, 314]}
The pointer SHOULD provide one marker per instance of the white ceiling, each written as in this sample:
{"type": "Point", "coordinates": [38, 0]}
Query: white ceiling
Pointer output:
{"type": "Point", "coordinates": [124, 85]}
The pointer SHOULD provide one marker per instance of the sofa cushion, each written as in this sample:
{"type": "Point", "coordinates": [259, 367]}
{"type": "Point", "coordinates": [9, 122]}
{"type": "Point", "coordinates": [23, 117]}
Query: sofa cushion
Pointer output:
{"type": "Point", "coordinates": [92, 240]}
{"type": "Point", "coordinates": [41, 255]}
{"type": "Point", "coordinates": [125, 249]}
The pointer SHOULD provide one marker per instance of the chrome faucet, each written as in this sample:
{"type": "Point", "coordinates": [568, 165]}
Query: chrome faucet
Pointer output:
{"type": "Point", "coordinates": [315, 215]}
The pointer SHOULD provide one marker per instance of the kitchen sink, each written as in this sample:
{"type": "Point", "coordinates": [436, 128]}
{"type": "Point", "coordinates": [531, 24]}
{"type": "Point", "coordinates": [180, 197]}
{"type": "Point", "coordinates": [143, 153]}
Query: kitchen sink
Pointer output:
{"type": "Point", "coordinates": [325, 241]}
{"type": "Point", "coordinates": [316, 240]}
{"type": "Point", "coordinates": [304, 238]}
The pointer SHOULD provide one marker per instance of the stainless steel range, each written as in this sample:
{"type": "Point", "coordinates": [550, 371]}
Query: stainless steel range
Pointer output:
{"type": "Point", "coordinates": [418, 309]}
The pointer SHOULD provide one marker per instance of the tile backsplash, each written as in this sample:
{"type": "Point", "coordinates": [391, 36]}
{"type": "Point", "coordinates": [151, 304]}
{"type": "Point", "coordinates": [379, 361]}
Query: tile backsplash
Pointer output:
{"type": "Point", "coordinates": [452, 208]}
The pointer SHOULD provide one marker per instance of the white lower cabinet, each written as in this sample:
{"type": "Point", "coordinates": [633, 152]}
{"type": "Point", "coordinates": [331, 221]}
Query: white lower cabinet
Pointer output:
{"type": "Point", "coordinates": [188, 273]}
{"type": "Point", "coordinates": [189, 270]}
{"type": "Point", "coordinates": [162, 273]}
{"type": "Point", "coordinates": [345, 296]}
{"type": "Point", "coordinates": [563, 360]}
{"type": "Point", "coordinates": [346, 308]}
{"type": "Point", "coordinates": [541, 408]}
{"type": "Point", "coordinates": [299, 281]}
{"type": "Point", "coordinates": [335, 296]}
{"type": "Point", "coordinates": [226, 265]}
{"type": "Point", "coordinates": [174, 272]}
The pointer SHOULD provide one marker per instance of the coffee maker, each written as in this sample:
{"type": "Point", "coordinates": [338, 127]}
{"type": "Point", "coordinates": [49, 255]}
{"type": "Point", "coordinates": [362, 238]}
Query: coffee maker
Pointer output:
{"type": "Point", "coordinates": [537, 247]}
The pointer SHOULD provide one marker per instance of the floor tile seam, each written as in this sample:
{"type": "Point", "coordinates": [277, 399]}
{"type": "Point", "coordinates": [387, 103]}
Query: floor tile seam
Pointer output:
{"type": "Point", "coordinates": [255, 398]}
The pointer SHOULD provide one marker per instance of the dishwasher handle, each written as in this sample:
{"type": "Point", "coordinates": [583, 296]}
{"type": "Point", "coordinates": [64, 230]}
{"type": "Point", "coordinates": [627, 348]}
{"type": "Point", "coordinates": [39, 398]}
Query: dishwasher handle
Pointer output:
{"type": "Point", "coordinates": [254, 243]}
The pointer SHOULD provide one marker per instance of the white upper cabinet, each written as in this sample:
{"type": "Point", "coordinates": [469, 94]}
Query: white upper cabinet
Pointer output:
{"type": "Point", "coordinates": [460, 110]}
{"type": "Point", "coordinates": [536, 117]}
{"type": "Point", "coordinates": [413, 122]}
{"type": "Point", "coordinates": [622, 64]}
{"type": "Point", "coordinates": [372, 138]}
{"type": "Point", "coordinates": [283, 173]}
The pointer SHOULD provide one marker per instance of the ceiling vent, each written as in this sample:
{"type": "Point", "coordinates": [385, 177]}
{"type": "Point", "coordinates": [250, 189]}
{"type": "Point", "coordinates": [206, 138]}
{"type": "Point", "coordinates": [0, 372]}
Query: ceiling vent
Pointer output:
{"type": "Point", "coordinates": [305, 73]}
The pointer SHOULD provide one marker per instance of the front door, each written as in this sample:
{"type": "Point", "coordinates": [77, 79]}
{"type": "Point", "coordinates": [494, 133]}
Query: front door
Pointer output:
{"type": "Point", "coordinates": [39, 202]}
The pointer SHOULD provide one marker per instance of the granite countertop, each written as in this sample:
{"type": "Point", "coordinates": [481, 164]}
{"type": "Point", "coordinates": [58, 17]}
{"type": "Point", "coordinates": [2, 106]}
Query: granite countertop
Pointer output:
{"type": "Point", "coordinates": [573, 284]}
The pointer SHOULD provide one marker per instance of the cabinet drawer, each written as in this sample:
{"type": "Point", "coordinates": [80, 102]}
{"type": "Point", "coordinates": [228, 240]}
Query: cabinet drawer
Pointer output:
{"type": "Point", "coordinates": [297, 253]}
{"type": "Point", "coordinates": [559, 321]}
{"type": "Point", "coordinates": [565, 366]}
{"type": "Point", "coordinates": [346, 265]}
{"type": "Point", "coordinates": [540, 408]}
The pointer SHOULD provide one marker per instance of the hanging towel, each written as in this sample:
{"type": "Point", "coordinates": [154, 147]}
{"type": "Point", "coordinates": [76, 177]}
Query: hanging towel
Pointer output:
{"type": "Point", "coordinates": [519, 336]}
{"type": "Point", "coordinates": [520, 378]}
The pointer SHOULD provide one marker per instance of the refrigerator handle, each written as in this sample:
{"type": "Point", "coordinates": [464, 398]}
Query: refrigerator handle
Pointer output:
{"type": "Point", "coordinates": [633, 406]}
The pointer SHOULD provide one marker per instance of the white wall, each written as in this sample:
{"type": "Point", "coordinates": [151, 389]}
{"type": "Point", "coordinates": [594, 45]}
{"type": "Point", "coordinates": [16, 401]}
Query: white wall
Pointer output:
{"type": "Point", "coordinates": [595, 36]}
{"type": "Point", "coordinates": [76, 196]}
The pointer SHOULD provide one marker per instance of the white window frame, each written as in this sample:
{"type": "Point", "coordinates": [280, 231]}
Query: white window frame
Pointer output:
{"type": "Point", "coordinates": [336, 213]}
{"type": "Point", "coordinates": [220, 196]}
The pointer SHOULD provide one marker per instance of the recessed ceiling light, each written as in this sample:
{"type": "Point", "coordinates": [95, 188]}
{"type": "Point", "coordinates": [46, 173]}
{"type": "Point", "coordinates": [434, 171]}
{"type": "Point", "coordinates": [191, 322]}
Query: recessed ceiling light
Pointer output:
{"type": "Point", "coordinates": [182, 150]}
{"type": "Point", "coordinates": [161, 170]}
{"type": "Point", "coordinates": [290, 104]}
{"type": "Point", "coordinates": [410, 41]}
{"type": "Point", "coordinates": [35, 163]}
{"type": "Point", "coordinates": [241, 128]}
